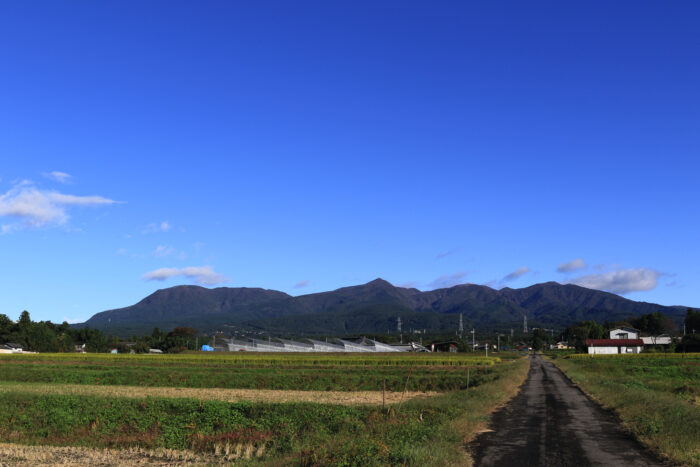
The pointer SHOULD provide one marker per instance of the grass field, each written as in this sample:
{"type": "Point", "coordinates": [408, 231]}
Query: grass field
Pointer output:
{"type": "Point", "coordinates": [657, 397]}
{"type": "Point", "coordinates": [210, 407]}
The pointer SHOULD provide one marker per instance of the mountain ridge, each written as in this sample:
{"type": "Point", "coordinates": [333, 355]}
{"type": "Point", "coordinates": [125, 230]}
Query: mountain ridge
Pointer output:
{"type": "Point", "coordinates": [369, 308]}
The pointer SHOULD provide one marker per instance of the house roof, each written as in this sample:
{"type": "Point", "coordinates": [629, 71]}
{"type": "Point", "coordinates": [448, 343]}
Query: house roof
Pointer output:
{"type": "Point", "coordinates": [624, 328]}
{"type": "Point", "coordinates": [12, 345]}
{"type": "Point", "coordinates": [614, 342]}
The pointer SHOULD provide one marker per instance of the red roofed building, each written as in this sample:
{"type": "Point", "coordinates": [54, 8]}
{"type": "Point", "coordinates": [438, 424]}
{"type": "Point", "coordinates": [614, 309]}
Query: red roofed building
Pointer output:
{"type": "Point", "coordinates": [614, 346]}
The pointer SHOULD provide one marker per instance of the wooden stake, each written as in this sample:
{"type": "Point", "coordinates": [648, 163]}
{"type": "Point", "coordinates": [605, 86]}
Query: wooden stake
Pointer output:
{"type": "Point", "coordinates": [383, 390]}
{"type": "Point", "coordinates": [405, 386]}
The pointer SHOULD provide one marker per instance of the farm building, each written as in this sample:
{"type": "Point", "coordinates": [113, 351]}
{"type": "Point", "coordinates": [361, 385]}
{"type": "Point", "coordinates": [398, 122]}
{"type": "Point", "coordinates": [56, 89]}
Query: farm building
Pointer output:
{"type": "Point", "coordinates": [11, 348]}
{"type": "Point", "coordinates": [663, 339]}
{"type": "Point", "coordinates": [614, 346]}
{"type": "Point", "coordinates": [450, 346]}
{"type": "Point", "coordinates": [561, 345]}
{"type": "Point", "coordinates": [311, 345]}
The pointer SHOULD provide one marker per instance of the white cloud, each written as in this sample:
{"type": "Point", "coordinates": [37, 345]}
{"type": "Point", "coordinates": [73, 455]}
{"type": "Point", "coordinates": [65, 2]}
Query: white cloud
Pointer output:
{"type": "Point", "coordinates": [121, 252]}
{"type": "Point", "coordinates": [301, 284]}
{"type": "Point", "coordinates": [448, 280]}
{"type": "Point", "coordinates": [60, 177]}
{"type": "Point", "coordinates": [162, 251]}
{"type": "Point", "coordinates": [515, 274]}
{"type": "Point", "coordinates": [621, 281]}
{"type": "Point", "coordinates": [157, 227]}
{"type": "Point", "coordinates": [38, 208]}
{"type": "Point", "coordinates": [573, 265]}
{"type": "Point", "coordinates": [204, 275]}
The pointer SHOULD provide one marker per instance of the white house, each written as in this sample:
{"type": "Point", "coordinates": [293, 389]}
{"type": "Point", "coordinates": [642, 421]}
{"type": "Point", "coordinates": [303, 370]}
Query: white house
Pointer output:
{"type": "Point", "coordinates": [624, 333]}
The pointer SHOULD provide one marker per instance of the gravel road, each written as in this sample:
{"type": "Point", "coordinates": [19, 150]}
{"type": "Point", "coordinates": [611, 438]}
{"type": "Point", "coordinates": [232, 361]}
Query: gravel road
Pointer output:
{"type": "Point", "coordinates": [552, 423]}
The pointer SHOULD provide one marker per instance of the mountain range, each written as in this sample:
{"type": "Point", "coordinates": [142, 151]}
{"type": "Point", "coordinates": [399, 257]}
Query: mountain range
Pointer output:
{"type": "Point", "coordinates": [370, 308]}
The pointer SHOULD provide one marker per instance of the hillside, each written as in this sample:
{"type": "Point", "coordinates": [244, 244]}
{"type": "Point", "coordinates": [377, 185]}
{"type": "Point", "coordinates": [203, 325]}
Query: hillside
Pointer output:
{"type": "Point", "coordinates": [370, 308]}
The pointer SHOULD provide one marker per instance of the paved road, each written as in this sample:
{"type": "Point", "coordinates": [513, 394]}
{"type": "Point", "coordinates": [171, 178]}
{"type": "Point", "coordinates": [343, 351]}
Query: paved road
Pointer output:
{"type": "Point", "coordinates": [552, 423]}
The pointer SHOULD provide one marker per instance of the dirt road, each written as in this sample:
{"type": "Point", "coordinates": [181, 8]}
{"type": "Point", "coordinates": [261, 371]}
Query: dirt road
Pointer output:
{"type": "Point", "coordinates": [552, 423]}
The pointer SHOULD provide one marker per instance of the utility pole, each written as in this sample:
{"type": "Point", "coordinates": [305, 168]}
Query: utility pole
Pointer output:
{"type": "Point", "coordinates": [398, 328]}
{"type": "Point", "coordinates": [461, 326]}
{"type": "Point", "coordinates": [498, 346]}
{"type": "Point", "coordinates": [473, 341]}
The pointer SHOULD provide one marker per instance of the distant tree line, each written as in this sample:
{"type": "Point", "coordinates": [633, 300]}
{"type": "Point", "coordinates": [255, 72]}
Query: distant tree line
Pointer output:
{"type": "Point", "coordinates": [45, 336]}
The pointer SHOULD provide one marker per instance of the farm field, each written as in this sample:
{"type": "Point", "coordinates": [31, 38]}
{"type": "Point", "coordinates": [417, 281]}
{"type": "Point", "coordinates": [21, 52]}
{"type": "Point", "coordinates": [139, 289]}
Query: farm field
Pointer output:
{"type": "Point", "coordinates": [257, 409]}
{"type": "Point", "coordinates": [340, 372]}
{"type": "Point", "coordinates": [657, 397]}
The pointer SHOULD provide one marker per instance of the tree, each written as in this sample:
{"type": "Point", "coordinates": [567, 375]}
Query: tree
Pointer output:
{"type": "Point", "coordinates": [93, 339]}
{"type": "Point", "coordinates": [25, 321]}
{"type": "Point", "coordinates": [41, 338]}
{"type": "Point", "coordinates": [692, 321]}
{"type": "Point", "coordinates": [141, 347]}
{"type": "Point", "coordinates": [6, 327]}
{"type": "Point", "coordinates": [540, 339]}
{"type": "Point", "coordinates": [654, 324]}
{"type": "Point", "coordinates": [576, 334]}
{"type": "Point", "coordinates": [65, 343]}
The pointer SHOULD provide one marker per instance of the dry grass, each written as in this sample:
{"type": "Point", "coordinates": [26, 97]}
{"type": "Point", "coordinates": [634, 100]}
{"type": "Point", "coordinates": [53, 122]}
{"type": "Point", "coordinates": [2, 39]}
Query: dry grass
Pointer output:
{"type": "Point", "coordinates": [218, 394]}
{"type": "Point", "coordinates": [20, 455]}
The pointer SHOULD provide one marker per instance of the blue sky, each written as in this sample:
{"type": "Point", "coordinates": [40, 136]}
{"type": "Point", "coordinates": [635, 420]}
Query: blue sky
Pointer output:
{"type": "Point", "coordinates": [305, 146]}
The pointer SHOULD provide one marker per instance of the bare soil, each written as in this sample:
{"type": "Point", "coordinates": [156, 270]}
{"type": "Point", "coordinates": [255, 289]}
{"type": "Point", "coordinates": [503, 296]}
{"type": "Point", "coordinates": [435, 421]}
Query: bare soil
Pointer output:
{"type": "Point", "coordinates": [21, 455]}
{"type": "Point", "coordinates": [220, 394]}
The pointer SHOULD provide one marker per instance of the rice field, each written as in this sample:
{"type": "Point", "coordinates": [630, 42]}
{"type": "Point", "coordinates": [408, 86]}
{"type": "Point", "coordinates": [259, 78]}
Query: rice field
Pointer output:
{"type": "Point", "coordinates": [258, 409]}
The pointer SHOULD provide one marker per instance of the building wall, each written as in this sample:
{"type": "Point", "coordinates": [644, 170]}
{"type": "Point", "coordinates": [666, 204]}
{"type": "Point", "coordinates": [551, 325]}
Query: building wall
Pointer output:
{"type": "Point", "coordinates": [613, 350]}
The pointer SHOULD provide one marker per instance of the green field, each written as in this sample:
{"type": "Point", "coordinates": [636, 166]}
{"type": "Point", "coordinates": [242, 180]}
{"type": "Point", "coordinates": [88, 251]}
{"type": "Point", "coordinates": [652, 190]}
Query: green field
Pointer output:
{"type": "Point", "coordinates": [421, 431]}
{"type": "Point", "coordinates": [657, 397]}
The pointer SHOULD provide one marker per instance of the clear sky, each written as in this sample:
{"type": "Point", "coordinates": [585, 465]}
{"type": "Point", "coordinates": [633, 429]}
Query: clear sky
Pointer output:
{"type": "Point", "coordinates": [306, 146]}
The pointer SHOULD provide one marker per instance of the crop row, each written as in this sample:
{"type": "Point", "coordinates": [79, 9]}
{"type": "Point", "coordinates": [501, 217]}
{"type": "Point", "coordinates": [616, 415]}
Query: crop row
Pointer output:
{"type": "Point", "coordinates": [324, 379]}
{"type": "Point", "coordinates": [263, 359]}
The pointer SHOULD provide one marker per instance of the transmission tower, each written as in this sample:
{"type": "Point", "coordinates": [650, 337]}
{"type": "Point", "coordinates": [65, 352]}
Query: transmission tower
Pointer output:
{"type": "Point", "coordinates": [398, 328]}
{"type": "Point", "coordinates": [524, 322]}
{"type": "Point", "coordinates": [461, 326]}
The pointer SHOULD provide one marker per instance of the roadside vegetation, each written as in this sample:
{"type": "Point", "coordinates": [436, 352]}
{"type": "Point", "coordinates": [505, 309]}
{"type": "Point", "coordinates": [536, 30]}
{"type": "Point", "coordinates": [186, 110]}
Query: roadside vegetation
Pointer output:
{"type": "Point", "coordinates": [420, 431]}
{"type": "Point", "coordinates": [657, 397]}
